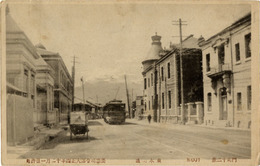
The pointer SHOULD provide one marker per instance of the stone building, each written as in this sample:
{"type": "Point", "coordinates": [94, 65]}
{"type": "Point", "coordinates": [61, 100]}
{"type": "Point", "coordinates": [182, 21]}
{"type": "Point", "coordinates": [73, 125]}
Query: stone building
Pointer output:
{"type": "Point", "coordinates": [227, 76]}
{"type": "Point", "coordinates": [148, 73]}
{"type": "Point", "coordinates": [139, 107]}
{"type": "Point", "coordinates": [162, 79]}
{"type": "Point", "coordinates": [44, 112]}
{"type": "Point", "coordinates": [21, 58]}
{"type": "Point", "coordinates": [62, 83]}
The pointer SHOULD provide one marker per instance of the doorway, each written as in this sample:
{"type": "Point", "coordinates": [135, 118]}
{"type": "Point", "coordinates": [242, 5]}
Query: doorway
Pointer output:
{"type": "Point", "coordinates": [223, 112]}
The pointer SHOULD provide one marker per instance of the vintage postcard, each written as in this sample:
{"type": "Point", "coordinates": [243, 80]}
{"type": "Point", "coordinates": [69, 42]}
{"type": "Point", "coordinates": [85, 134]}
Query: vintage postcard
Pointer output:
{"type": "Point", "coordinates": [130, 82]}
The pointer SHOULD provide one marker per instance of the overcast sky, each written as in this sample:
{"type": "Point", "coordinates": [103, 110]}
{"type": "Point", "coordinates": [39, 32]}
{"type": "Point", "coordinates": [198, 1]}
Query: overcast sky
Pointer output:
{"type": "Point", "coordinates": [112, 40]}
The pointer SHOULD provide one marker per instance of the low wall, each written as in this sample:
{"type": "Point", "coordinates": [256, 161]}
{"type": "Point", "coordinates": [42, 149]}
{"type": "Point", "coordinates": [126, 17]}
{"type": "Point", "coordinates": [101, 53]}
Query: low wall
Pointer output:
{"type": "Point", "coordinates": [19, 111]}
{"type": "Point", "coordinates": [52, 117]}
{"type": "Point", "coordinates": [169, 119]}
{"type": "Point", "coordinates": [39, 117]}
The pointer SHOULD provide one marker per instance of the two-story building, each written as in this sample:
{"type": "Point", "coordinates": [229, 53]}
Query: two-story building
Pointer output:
{"type": "Point", "coordinates": [149, 75]}
{"type": "Point", "coordinates": [44, 112]}
{"type": "Point", "coordinates": [62, 83]}
{"type": "Point", "coordinates": [139, 107]}
{"type": "Point", "coordinates": [162, 79]}
{"type": "Point", "coordinates": [21, 57]}
{"type": "Point", "coordinates": [227, 76]}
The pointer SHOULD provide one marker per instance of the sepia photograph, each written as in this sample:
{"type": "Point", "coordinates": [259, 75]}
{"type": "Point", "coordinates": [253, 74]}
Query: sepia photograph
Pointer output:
{"type": "Point", "coordinates": [130, 83]}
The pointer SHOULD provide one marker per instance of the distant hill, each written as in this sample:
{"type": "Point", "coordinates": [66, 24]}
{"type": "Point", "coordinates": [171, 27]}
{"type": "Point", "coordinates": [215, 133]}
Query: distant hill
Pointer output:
{"type": "Point", "coordinates": [104, 91]}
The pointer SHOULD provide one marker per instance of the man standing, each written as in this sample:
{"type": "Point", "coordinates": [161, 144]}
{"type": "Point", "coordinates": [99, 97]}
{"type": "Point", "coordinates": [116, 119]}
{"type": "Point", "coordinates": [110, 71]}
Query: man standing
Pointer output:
{"type": "Point", "coordinates": [149, 118]}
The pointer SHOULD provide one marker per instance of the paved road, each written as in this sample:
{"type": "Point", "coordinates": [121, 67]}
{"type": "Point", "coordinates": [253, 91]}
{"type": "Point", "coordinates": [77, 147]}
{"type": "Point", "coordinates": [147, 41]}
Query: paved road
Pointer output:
{"type": "Point", "coordinates": [138, 139]}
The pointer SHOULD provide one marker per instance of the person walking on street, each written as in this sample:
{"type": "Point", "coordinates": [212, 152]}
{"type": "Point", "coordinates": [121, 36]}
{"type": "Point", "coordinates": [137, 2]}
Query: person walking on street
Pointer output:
{"type": "Point", "coordinates": [149, 118]}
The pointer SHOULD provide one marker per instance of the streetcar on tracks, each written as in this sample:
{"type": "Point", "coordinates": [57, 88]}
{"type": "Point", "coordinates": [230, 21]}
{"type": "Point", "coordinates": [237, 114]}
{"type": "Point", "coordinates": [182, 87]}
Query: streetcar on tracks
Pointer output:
{"type": "Point", "coordinates": [114, 112]}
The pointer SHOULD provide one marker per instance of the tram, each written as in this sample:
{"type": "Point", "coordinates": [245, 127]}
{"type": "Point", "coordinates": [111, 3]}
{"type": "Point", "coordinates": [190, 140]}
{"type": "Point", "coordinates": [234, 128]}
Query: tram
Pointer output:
{"type": "Point", "coordinates": [114, 112]}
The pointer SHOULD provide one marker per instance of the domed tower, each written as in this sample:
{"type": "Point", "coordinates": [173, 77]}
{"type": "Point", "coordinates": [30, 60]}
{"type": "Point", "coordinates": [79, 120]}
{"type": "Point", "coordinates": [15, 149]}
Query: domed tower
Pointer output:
{"type": "Point", "coordinates": [153, 54]}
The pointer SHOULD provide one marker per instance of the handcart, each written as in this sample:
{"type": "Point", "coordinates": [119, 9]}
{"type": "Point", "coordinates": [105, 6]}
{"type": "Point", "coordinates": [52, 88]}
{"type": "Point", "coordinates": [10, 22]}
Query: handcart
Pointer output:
{"type": "Point", "coordinates": [78, 124]}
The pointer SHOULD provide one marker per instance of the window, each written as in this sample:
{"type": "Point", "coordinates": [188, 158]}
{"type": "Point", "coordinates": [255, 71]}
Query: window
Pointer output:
{"type": "Point", "coordinates": [249, 97]}
{"type": "Point", "coordinates": [162, 100]}
{"type": "Point", "coordinates": [155, 76]}
{"type": "Point", "coordinates": [248, 45]}
{"type": "Point", "coordinates": [237, 52]}
{"type": "Point", "coordinates": [145, 83]}
{"type": "Point", "coordinates": [169, 99]}
{"type": "Point", "coordinates": [151, 79]}
{"type": "Point", "coordinates": [145, 106]}
{"type": "Point", "coordinates": [152, 103]}
{"type": "Point", "coordinates": [148, 82]}
{"type": "Point", "coordinates": [169, 70]}
{"type": "Point", "coordinates": [25, 81]}
{"type": "Point", "coordinates": [208, 62]}
{"type": "Point", "coordinates": [209, 102]}
{"type": "Point", "coordinates": [32, 89]}
{"type": "Point", "coordinates": [10, 79]}
{"type": "Point", "coordinates": [221, 54]}
{"type": "Point", "coordinates": [149, 105]}
{"type": "Point", "coordinates": [239, 101]}
{"type": "Point", "coordinates": [162, 74]}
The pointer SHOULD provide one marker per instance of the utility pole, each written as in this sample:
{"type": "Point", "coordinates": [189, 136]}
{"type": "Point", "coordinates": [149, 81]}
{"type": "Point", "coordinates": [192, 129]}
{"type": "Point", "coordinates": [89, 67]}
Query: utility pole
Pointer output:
{"type": "Point", "coordinates": [127, 96]}
{"type": "Point", "coordinates": [132, 94]}
{"type": "Point", "coordinates": [181, 72]}
{"type": "Point", "coordinates": [73, 86]}
{"type": "Point", "coordinates": [166, 97]}
{"type": "Point", "coordinates": [182, 94]}
{"type": "Point", "coordinates": [73, 82]}
{"type": "Point", "coordinates": [160, 93]}
{"type": "Point", "coordinates": [84, 101]}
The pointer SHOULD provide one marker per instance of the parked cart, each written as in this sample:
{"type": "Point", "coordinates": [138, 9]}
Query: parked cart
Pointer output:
{"type": "Point", "coordinates": [78, 124]}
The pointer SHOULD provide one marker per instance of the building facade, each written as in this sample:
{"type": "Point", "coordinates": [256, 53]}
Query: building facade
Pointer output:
{"type": "Point", "coordinates": [139, 107]}
{"type": "Point", "coordinates": [227, 76]}
{"type": "Point", "coordinates": [149, 92]}
{"type": "Point", "coordinates": [44, 112]}
{"type": "Point", "coordinates": [62, 83]}
{"type": "Point", "coordinates": [162, 94]}
{"type": "Point", "coordinates": [21, 58]}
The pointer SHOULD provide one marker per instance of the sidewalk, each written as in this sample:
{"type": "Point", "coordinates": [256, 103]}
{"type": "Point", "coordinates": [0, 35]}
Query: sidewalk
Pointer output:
{"type": "Point", "coordinates": [39, 138]}
{"type": "Point", "coordinates": [180, 127]}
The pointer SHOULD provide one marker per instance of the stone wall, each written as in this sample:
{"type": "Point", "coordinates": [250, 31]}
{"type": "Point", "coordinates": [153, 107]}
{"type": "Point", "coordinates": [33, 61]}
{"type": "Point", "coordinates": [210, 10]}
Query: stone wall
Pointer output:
{"type": "Point", "coordinates": [19, 112]}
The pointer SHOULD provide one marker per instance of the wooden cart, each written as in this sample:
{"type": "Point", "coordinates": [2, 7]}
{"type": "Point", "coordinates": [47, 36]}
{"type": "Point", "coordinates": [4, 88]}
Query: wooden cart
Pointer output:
{"type": "Point", "coordinates": [78, 124]}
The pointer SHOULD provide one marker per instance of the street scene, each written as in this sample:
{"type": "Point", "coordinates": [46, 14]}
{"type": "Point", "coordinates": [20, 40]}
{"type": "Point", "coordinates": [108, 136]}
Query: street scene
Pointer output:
{"type": "Point", "coordinates": [93, 83]}
{"type": "Point", "coordinates": [141, 140]}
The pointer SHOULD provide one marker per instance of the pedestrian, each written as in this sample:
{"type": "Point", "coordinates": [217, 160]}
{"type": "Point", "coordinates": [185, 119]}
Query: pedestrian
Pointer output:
{"type": "Point", "coordinates": [149, 118]}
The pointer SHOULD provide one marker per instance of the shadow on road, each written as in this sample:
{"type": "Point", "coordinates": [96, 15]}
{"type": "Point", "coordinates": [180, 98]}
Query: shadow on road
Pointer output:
{"type": "Point", "coordinates": [94, 123]}
{"type": "Point", "coordinates": [129, 123]}
{"type": "Point", "coordinates": [64, 138]}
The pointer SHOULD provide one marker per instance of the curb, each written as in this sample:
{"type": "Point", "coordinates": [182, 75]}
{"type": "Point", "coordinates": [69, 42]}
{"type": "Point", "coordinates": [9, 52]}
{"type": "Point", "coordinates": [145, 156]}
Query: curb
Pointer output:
{"type": "Point", "coordinates": [192, 125]}
{"type": "Point", "coordinates": [45, 139]}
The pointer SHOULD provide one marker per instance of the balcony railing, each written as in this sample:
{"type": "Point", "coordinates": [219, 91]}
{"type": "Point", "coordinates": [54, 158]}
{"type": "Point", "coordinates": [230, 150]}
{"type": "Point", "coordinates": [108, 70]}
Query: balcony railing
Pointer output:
{"type": "Point", "coordinates": [219, 70]}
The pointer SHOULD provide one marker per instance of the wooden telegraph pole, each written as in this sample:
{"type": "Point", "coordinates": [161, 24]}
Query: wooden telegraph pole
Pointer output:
{"type": "Point", "coordinates": [181, 72]}
{"type": "Point", "coordinates": [73, 86]}
{"type": "Point", "coordinates": [127, 96]}
{"type": "Point", "coordinates": [82, 81]}
{"type": "Point", "coordinates": [182, 95]}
